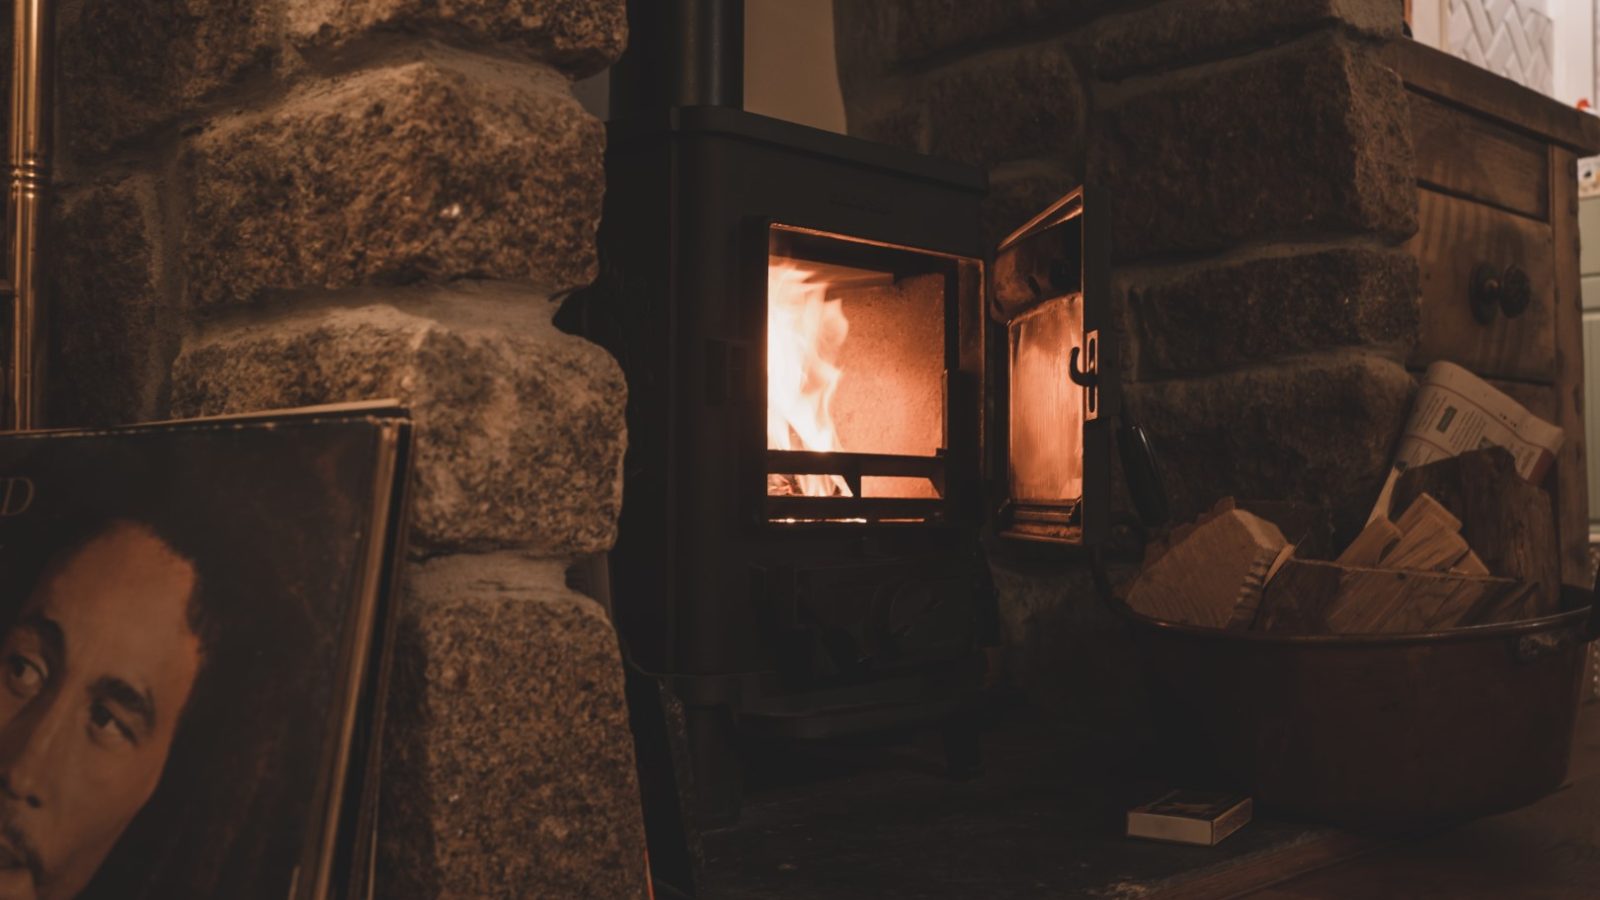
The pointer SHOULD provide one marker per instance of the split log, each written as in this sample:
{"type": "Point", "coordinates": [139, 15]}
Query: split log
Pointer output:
{"type": "Point", "coordinates": [1509, 523]}
{"type": "Point", "coordinates": [1212, 574]}
{"type": "Point", "coordinates": [1427, 512]}
{"type": "Point", "coordinates": [1310, 597]}
{"type": "Point", "coordinates": [1371, 545]}
{"type": "Point", "coordinates": [1424, 539]}
{"type": "Point", "coordinates": [1308, 528]}
{"type": "Point", "coordinates": [1429, 540]}
{"type": "Point", "coordinates": [1470, 565]}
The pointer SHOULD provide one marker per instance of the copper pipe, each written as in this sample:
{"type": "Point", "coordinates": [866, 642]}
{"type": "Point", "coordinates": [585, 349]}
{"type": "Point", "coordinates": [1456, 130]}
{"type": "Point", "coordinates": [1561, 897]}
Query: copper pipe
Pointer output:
{"type": "Point", "coordinates": [31, 86]}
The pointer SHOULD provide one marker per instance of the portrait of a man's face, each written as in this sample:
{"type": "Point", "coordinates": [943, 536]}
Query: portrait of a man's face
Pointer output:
{"type": "Point", "coordinates": [170, 631]}
{"type": "Point", "coordinates": [96, 674]}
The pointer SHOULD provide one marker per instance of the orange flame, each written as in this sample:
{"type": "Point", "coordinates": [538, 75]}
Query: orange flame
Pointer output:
{"type": "Point", "coordinates": [805, 331]}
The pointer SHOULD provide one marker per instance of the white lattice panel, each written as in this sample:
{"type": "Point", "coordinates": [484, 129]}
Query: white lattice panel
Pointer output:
{"type": "Point", "coordinates": [1513, 38]}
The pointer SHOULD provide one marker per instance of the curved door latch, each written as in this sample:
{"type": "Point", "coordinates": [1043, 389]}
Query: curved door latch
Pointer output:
{"type": "Point", "coordinates": [1088, 375]}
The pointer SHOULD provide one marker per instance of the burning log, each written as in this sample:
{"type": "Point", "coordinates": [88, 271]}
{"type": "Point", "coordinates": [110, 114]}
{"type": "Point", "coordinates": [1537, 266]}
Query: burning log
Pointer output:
{"type": "Point", "coordinates": [805, 331]}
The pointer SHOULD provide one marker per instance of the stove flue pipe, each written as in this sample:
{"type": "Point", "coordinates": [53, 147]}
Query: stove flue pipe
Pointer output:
{"type": "Point", "coordinates": [680, 53]}
{"type": "Point", "coordinates": [709, 65]}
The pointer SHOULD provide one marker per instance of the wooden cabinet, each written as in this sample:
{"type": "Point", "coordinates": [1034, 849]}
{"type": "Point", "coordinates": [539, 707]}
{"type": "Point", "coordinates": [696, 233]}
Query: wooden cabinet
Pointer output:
{"type": "Point", "coordinates": [1455, 237]}
{"type": "Point", "coordinates": [1497, 197]}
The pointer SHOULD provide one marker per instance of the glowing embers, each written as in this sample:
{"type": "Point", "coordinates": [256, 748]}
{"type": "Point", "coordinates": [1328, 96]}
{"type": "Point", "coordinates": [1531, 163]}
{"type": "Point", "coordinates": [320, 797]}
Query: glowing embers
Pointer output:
{"type": "Point", "coordinates": [805, 334]}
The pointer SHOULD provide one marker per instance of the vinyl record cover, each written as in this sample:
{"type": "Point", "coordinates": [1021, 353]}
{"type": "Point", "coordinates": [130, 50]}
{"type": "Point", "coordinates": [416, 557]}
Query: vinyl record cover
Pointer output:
{"type": "Point", "coordinates": [194, 619]}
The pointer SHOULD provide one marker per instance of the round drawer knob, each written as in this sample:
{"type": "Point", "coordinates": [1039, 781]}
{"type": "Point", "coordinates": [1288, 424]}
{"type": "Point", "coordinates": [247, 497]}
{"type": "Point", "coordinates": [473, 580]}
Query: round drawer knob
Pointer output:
{"type": "Point", "coordinates": [1484, 292]}
{"type": "Point", "coordinates": [1516, 292]}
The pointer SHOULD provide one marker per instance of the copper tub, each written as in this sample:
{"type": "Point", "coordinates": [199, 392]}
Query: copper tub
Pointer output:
{"type": "Point", "coordinates": [1380, 731]}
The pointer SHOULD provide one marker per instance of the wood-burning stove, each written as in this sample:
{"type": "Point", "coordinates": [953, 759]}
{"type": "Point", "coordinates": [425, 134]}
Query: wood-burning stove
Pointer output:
{"type": "Point", "coordinates": [819, 425]}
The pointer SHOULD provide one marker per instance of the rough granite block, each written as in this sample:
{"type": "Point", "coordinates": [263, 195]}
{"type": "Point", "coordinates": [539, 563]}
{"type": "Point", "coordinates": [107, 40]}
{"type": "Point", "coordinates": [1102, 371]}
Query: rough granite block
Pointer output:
{"type": "Point", "coordinates": [508, 768]}
{"type": "Point", "coordinates": [1220, 315]}
{"type": "Point", "coordinates": [1319, 430]}
{"type": "Point", "coordinates": [1007, 105]}
{"type": "Point", "coordinates": [126, 67]}
{"type": "Point", "coordinates": [873, 37]}
{"type": "Point", "coordinates": [1307, 139]}
{"type": "Point", "coordinates": [1187, 32]}
{"type": "Point", "coordinates": [431, 170]}
{"type": "Point", "coordinates": [114, 332]}
{"type": "Point", "coordinates": [520, 428]}
{"type": "Point", "coordinates": [580, 37]}
{"type": "Point", "coordinates": [1018, 192]}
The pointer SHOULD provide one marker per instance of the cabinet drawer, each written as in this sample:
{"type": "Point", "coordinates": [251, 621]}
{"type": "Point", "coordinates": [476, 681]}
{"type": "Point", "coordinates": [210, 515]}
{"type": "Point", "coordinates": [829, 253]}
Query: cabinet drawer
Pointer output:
{"type": "Point", "coordinates": [1453, 237]}
{"type": "Point", "coordinates": [1461, 153]}
{"type": "Point", "coordinates": [1541, 399]}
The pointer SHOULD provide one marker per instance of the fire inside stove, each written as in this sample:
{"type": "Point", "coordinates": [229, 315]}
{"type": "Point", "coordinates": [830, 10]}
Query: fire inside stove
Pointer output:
{"type": "Point", "coordinates": [857, 349]}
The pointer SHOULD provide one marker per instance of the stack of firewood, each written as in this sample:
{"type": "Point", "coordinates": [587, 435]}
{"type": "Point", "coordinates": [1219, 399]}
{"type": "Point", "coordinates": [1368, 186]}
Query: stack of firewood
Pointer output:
{"type": "Point", "coordinates": [1473, 544]}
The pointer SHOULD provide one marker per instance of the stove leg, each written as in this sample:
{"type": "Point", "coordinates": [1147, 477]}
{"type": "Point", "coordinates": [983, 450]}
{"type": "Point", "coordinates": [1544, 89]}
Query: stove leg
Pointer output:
{"type": "Point", "coordinates": [963, 748]}
{"type": "Point", "coordinates": [714, 755]}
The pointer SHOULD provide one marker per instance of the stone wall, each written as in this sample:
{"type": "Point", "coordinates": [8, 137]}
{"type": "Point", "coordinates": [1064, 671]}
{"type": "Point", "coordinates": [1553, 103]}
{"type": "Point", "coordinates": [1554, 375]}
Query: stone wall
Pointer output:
{"type": "Point", "coordinates": [272, 203]}
{"type": "Point", "coordinates": [1257, 157]}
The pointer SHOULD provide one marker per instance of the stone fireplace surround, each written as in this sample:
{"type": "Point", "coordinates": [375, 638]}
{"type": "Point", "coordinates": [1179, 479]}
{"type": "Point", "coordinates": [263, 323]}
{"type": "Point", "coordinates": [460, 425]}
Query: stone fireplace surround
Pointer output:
{"type": "Point", "coordinates": [273, 203]}
{"type": "Point", "coordinates": [269, 203]}
{"type": "Point", "coordinates": [1258, 158]}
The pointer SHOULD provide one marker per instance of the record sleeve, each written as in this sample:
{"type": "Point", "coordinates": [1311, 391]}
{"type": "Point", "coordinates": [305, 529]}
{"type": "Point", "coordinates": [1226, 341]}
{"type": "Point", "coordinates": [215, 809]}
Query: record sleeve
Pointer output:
{"type": "Point", "coordinates": [196, 620]}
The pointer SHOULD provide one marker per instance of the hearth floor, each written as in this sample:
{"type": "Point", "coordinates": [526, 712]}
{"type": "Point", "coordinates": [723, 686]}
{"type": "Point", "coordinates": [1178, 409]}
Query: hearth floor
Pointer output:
{"type": "Point", "coordinates": [1044, 820]}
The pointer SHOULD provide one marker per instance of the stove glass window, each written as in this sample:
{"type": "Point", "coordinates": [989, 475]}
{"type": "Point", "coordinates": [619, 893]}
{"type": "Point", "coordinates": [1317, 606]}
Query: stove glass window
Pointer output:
{"type": "Point", "coordinates": [1046, 425]}
{"type": "Point", "coordinates": [857, 351]}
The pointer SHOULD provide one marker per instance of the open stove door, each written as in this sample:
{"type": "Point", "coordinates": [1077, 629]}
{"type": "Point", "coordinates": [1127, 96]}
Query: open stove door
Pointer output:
{"type": "Point", "coordinates": [1055, 374]}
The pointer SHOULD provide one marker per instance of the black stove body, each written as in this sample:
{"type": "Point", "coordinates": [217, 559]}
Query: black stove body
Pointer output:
{"type": "Point", "coordinates": [780, 585]}
{"type": "Point", "coordinates": [804, 615]}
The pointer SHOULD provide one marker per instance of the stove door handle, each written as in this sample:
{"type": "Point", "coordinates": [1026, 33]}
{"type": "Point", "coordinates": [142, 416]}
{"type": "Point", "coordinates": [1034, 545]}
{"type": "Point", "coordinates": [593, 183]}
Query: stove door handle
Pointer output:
{"type": "Point", "coordinates": [1089, 378]}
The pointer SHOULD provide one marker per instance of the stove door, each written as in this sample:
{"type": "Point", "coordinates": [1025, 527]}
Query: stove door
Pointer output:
{"type": "Point", "coordinates": [1054, 374]}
